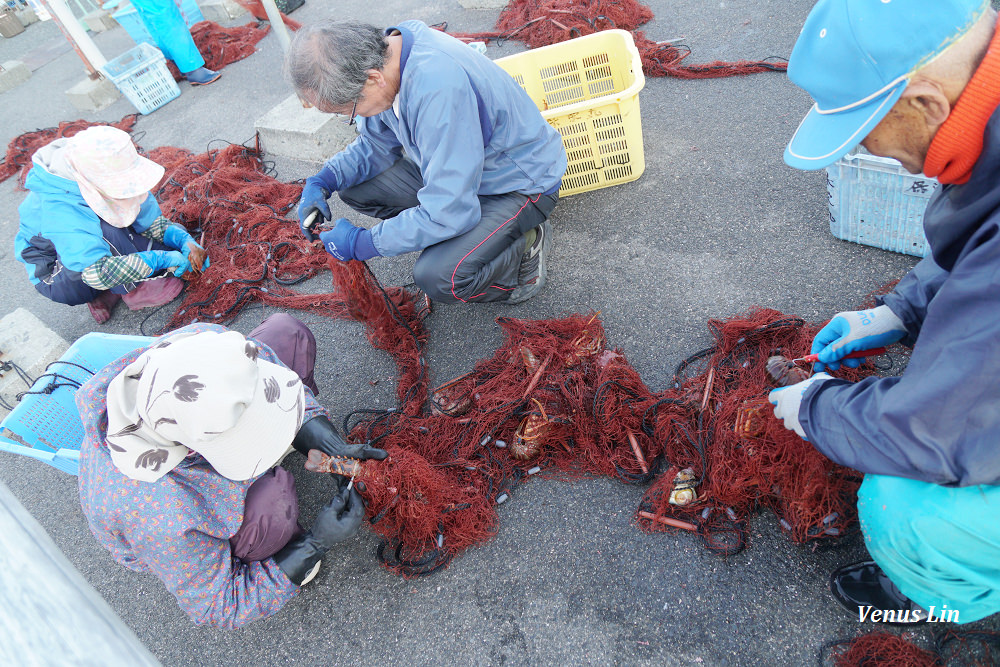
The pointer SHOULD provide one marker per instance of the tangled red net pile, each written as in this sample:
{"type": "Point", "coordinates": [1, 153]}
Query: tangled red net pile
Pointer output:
{"type": "Point", "coordinates": [221, 46]}
{"type": "Point", "coordinates": [225, 198]}
{"type": "Point", "coordinates": [882, 649]}
{"type": "Point", "coordinates": [256, 9]}
{"type": "Point", "coordinates": [542, 22]}
{"type": "Point", "coordinates": [555, 399]}
{"type": "Point", "coordinates": [954, 648]}
{"type": "Point", "coordinates": [22, 147]}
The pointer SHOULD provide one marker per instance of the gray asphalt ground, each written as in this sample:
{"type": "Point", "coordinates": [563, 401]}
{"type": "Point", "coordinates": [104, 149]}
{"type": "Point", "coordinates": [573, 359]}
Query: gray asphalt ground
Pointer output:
{"type": "Point", "coordinates": [716, 225]}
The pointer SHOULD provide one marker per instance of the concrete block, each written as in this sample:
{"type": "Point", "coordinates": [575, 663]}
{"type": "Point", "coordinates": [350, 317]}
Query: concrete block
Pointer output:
{"type": "Point", "coordinates": [26, 16]}
{"type": "Point", "coordinates": [99, 20]}
{"type": "Point", "coordinates": [13, 73]}
{"type": "Point", "coordinates": [484, 4]}
{"type": "Point", "coordinates": [27, 342]}
{"type": "Point", "coordinates": [307, 134]}
{"type": "Point", "coordinates": [221, 11]}
{"type": "Point", "coordinates": [93, 94]}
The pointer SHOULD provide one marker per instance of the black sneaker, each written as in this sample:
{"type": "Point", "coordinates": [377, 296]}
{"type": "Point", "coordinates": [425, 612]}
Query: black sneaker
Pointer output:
{"type": "Point", "coordinates": [863, 588]}
{"type": "Point", "coordinates": [532, 272]}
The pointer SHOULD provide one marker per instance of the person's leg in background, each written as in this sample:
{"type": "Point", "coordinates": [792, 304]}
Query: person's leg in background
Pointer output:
{"type": "Point", "coordinates": [164, 22]}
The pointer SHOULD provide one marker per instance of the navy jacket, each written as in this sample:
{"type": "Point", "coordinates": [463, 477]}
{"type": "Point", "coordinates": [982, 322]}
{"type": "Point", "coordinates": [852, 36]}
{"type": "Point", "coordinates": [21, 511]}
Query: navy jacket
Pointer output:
{"type": "Point", "coordinates": [940, 421]}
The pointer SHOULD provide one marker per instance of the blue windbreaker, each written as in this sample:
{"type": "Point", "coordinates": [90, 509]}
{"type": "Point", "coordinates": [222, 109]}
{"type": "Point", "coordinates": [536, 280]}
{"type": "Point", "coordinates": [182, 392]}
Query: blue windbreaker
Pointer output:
{"type": "Point", "coordinates": [470, 128]}
{"type": "Point", "coordinates": [940, 421]}
{"type": "Point", "coordinates": [54, 214]}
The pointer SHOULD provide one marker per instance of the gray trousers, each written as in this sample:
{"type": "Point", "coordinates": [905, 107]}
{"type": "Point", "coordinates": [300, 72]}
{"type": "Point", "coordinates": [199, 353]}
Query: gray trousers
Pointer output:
{"type": "Point", "coordinates": [479, 265]}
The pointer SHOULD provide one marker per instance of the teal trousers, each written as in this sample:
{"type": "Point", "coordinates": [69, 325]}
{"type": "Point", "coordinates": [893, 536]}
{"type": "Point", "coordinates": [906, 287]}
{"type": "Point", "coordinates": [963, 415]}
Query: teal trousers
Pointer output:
{"type": "Point", "coordinates": [940, 545]}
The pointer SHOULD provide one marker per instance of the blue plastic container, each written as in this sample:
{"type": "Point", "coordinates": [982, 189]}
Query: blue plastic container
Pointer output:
{"type": "Point", "coordinates": [876, 202]}
{"type": "Point", "coordinates": [47, 426]}
{"type": "Point", "coordinates": [129, 19]}
{"type": "Point", "coordinates": [142, 75]}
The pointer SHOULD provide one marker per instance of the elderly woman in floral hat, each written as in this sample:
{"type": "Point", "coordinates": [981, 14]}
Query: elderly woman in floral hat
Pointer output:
{"type": "Point", "coordinates": [180, 473]}
{"type": "Point", "coordinates": [91, 232]}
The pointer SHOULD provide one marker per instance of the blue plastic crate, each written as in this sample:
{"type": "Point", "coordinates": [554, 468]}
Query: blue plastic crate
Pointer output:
{"type": "Point", "coordinates": [129, 19]}
{"type": "Point", "coordinates": [875, 201]}
{"type": "Point", "coordinates": [47, 426]}
{"type": "Point", "coordinates": [141, 74]}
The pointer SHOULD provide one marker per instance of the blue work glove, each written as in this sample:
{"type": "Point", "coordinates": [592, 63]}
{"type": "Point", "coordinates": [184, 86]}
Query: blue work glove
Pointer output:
{"type": "Point", "coordinates": [177, 237]}
{"type": "Point", "coordinates": [346, 242]}
{"type": "Point", "coordinates": [312, 203]}
{"type": "Point", "coordinates": [165, 259]}
{"type": "Point", "coordinates": [855, 330]}
{"type": "Point", "coordinates": [788, 400]}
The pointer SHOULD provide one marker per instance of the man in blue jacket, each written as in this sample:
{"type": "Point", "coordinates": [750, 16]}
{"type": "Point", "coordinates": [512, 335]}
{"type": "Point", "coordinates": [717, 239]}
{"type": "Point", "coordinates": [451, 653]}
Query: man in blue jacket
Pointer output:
{"type": "Point", "coordinates": [453, 156]}
{"type": "Point", "coordinates": [916, 81]}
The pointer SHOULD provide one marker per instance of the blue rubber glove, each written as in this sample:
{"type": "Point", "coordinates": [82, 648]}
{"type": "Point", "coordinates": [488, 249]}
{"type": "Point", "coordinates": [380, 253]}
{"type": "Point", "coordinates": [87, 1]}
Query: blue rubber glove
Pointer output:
{"type": "Point", "coordinates": [855, 330]}
{"type": "Point", "coordinates": [346, 242]}
{"type": "Point", "coordinates": [177, 237]}
{"type": "Point", "coordinates": [312, 203]}
{"type": "Point", "coordinates": [159, 260]}
{"type": "Point", "coordinates": [788, 400]}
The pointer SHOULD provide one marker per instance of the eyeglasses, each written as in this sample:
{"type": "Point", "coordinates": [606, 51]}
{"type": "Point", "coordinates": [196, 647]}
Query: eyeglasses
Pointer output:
{"type": "Point", "coordinates": [354, 109]}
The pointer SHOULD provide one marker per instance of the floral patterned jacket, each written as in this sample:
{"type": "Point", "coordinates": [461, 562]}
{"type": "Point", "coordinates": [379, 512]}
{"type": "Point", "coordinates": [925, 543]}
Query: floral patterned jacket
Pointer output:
{"type": "Point", "coordinates": [178, 527]}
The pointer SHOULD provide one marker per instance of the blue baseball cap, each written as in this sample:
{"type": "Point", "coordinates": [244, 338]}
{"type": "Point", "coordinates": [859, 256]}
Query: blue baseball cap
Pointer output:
{"type": "Point", "coordinates": [855, 58]}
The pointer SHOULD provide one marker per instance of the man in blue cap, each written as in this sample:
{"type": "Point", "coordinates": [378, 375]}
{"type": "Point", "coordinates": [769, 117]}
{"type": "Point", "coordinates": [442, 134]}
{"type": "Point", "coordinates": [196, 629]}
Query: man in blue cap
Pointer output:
{"type": "Point", "coordinates": [918, 81]}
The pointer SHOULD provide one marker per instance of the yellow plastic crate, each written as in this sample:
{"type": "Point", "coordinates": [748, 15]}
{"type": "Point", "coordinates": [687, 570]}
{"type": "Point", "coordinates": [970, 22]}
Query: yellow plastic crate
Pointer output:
{"type": "Point", "coordinates": [588, 90]}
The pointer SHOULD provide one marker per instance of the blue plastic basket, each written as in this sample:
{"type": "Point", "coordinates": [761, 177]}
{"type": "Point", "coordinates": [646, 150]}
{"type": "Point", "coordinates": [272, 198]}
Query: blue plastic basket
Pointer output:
{"type": "Point", "coordinates": [129, 19]}
{"type": "Point", "coordinates": [47, 426]}
{"type": "Point", "coordinates": [141, 74]}
{"type": "Point", "coordinates": [875, 201]}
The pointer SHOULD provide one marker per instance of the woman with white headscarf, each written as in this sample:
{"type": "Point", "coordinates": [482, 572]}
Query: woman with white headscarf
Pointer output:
{"type": "Point", "coordinates": [90, 231]}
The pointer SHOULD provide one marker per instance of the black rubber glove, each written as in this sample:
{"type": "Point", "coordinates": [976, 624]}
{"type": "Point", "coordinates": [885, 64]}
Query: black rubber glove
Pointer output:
{"type": "Point", "coordinates": [319, 433]}
{"type": "Point", "coordinates": [338, 521]}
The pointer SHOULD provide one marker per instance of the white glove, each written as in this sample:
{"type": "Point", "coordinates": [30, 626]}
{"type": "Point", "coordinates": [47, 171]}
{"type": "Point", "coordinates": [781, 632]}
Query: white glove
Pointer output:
{"type": "Point", "coordinates": [788, 400]}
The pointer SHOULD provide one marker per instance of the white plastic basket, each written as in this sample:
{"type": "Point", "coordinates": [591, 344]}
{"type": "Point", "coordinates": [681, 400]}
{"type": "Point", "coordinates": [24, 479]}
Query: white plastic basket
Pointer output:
{"type": "Point", "coordinates": [875, 201]}
{"type": "Point", "coordinates": [141, 74]}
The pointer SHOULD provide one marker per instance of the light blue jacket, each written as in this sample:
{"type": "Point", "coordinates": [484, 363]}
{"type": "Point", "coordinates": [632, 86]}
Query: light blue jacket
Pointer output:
{"type": "Point", "coordinates": [470, 128]}
{"type": "Point", "coordinates": [55, 211]}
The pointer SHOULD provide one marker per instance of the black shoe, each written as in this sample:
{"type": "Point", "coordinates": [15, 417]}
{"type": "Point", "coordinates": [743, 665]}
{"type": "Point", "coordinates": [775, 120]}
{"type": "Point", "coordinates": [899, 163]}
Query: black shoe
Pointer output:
{"type": "Point", "coordinates": [862, 588]}
{"type": "Point", "coordinates": [532, 272]}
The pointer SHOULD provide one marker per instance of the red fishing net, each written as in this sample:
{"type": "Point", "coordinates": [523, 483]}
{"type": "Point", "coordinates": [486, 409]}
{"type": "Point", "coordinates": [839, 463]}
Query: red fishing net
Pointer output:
{"type": "Point", "coordinates": [555, 399]}
{"type": "Point", "coordinates": [954, 648]}
{"type": "Point", "coordinates": [881, 649]}
{"type": "Point", "coordinates": [221, 46]}
{"type": "Point", "coordinates": [22, 147]}
{"type": "Point", "coordinates": [542, 22]}
{"type": "Point", "coordinates": [256, 9]}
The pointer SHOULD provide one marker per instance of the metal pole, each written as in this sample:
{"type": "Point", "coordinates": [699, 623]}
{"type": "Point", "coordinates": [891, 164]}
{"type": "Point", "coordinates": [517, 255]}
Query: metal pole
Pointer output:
{"type": "Point", "coordinates": [274, 16]}
{"type": "Point", "coordinates": [77, 36]}
{"type": "Point", "coordinates": [49, 614]}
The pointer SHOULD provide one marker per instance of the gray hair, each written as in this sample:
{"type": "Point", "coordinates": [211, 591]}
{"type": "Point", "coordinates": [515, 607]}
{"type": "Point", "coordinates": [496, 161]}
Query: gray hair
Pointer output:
{"type": "Point", "coordinates": [332, 59]}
